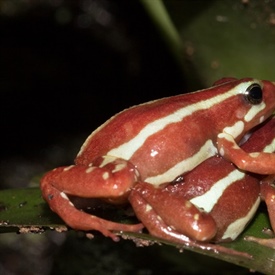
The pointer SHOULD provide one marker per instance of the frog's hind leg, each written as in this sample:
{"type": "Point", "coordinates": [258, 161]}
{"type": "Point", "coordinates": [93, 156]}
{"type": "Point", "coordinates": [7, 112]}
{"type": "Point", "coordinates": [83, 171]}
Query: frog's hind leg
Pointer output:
{"type": "Point", "coordinates": [111, 181]}
{"type": "Point", "coordinates": [158, 227]}
{"type": "Point", "coordinates": [75, 218]}
{"type": "Point", "coordinates": [168, 215]}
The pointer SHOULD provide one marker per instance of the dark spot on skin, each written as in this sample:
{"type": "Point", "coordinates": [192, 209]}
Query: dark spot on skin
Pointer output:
{"type": "Point", "coordinates": [178, 179]}
{"type": "Point", "coordinates": [273, 184]}
{"type": "Point", "coordinates": [50, 197]}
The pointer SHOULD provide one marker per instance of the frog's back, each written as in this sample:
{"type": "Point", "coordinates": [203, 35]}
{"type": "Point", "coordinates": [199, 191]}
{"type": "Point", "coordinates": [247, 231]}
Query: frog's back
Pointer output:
{"type": "Point", "coordinates": [168, 122]}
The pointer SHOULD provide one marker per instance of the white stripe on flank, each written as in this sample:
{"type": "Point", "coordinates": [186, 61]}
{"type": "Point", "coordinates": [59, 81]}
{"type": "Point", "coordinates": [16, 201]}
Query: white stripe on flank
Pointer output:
{"type": "Point", "coordinates": [208, 200]}
{"type": "Point", "coordinates": [235, 228]}
{"type": "Point", "coordinates": [127, 149]}
{"type": "Point", "coordinates": [206, 151]}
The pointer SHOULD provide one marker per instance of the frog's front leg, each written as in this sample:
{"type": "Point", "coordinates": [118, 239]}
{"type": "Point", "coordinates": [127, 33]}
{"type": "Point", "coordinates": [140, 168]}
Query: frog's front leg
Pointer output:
{"type": "Point", "coordinates": [267, 195]}
{"type": "Point", "coordinates": [257, 162]}
{"type": "Point", "coordinates": [107, 177]}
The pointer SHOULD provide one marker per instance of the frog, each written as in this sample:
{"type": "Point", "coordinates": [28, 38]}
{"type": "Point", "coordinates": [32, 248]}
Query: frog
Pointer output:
{"type": "Point", "coordinates": [155, 144]}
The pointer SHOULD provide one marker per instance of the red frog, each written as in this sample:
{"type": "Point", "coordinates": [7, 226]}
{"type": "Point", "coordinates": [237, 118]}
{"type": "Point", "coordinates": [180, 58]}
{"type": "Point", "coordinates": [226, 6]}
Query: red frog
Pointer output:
{"type": "Point", "coordinates": [142, 151]}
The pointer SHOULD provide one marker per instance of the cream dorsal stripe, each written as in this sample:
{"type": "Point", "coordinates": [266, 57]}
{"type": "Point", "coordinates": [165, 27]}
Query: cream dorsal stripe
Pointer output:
{"type": "Point", "coordinates": [127, 150]}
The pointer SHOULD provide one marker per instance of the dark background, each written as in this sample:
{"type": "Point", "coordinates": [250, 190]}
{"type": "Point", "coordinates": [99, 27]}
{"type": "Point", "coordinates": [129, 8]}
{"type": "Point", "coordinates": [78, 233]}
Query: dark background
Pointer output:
{"type": "Point", "coordinates": [67, 68]}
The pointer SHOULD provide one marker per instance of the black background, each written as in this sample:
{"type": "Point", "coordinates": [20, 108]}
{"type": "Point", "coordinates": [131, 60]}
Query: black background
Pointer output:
{"type": "Point", "coordinates": [61, 78]}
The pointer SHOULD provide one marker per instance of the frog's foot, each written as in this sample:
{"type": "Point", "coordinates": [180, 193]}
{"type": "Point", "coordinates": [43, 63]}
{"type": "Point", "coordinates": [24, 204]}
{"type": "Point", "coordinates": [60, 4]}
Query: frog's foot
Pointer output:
{"type": "Point", "coordinates": [77, 219]}
{"type": "Point", "coordinates": [265, 242]}
{"type": "Point", "coordinates": [268, 195]}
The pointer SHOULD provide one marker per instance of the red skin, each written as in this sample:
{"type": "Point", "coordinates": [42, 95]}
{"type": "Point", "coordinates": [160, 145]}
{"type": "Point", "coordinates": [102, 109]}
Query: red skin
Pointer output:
{"type": "Point", "coordinates": [235, 202]}
{"type": "Point", "coordinates": [118, 179]}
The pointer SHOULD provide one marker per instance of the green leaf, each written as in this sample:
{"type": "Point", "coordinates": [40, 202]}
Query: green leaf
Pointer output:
{"type": "Point", "coordinates": [26, 211]}
{"type": "Point", "coordinates": [215, 39]}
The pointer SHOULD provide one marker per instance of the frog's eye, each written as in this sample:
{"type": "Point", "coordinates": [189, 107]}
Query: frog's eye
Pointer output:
{"type": "Point", "coordinates": [254, 94]}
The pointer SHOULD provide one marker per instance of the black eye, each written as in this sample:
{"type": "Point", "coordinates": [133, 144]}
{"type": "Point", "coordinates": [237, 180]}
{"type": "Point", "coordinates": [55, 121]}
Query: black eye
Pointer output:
{"type": "Point", "coordinates": [254, 94]}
